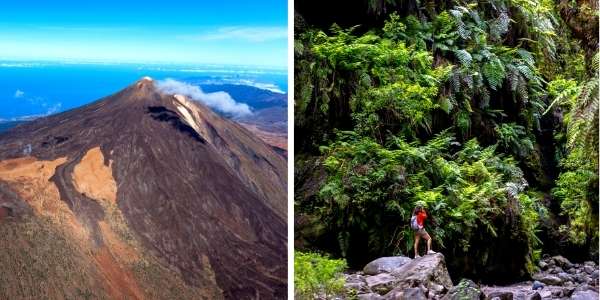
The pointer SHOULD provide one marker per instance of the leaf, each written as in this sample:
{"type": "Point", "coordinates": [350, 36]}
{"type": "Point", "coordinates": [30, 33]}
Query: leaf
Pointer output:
{"type": "Point", "coordinates": [494, 73]}
{"type": "Point", "coordinates": [464, 57]}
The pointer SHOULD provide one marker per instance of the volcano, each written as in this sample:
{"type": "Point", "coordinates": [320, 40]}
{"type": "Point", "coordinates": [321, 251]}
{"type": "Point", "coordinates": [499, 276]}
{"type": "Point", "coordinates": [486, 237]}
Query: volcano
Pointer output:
{"type": "Point", "coordinates": [141, 195]}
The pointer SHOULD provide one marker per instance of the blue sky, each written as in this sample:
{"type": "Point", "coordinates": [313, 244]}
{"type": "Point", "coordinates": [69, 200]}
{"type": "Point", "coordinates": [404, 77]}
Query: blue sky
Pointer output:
{"type": "Point", "coordinates": [239, 32]}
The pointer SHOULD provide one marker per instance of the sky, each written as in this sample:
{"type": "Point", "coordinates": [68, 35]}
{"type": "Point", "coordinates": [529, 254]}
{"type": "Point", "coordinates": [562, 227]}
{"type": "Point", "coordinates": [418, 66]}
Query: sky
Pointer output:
{"type": "Point", "coordinates": [238, 32]}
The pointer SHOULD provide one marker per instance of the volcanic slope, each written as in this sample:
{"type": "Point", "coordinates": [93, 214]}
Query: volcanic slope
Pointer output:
{"type": "Point", "coordinates": [141, 195]}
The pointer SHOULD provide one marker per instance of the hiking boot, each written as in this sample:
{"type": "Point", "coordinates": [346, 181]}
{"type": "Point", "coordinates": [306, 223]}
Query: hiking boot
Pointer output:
{"type": "Point", "coordinates": [431, 252]}
{"type": "Point", "coordinates": [417, 256]}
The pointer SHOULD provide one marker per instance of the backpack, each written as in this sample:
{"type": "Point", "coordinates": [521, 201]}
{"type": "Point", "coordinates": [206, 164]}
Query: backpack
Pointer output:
{"type": "Point", "coordinates": [413, 223]}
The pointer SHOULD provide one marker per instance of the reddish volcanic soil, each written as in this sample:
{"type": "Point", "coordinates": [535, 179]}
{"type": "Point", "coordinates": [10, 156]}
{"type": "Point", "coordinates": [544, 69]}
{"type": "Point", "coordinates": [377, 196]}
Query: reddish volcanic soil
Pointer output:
{"type": "Point", "coordinates": [277, 140]}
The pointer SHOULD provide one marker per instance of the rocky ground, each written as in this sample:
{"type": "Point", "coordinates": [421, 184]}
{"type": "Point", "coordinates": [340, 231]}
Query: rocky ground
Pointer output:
{"type": "Point", "coordinates": [399, 277]}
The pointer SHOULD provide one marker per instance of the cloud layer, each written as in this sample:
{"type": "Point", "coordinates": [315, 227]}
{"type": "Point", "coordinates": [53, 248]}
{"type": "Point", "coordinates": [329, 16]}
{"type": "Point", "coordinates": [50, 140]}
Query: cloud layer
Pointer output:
{"type": "Point", "coordinates": [220, 101]}
{"type": "Point", "coordinates": [251, 34]}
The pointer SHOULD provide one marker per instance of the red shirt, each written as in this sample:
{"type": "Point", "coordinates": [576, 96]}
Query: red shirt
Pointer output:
{"type": "Point", "coordinates": [421, 216]}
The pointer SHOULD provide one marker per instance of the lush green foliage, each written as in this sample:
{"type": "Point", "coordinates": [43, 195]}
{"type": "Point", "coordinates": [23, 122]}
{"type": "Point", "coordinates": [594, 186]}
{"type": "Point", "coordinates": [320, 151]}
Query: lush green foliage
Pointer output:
{"type": "Point", "coordinates": [577, 186]}
{"type": "Point", "coordinates": [466, 191]}
{"type": "Point", "coordinates": [450, 103]}
{"type": "Point", "coordinates": [391, 85]}
{"type": "Point", "coordinates": [317, 275]}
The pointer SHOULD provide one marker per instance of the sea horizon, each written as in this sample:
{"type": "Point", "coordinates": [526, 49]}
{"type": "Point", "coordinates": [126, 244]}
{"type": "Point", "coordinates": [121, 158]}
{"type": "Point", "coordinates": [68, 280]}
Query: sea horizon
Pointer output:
{"type": "Point", "coordinates": [35, 88]}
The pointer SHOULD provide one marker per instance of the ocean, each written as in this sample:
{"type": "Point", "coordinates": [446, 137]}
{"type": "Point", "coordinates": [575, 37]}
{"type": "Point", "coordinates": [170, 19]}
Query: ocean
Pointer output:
{"type": "Point", "coordinates": [33, 89]}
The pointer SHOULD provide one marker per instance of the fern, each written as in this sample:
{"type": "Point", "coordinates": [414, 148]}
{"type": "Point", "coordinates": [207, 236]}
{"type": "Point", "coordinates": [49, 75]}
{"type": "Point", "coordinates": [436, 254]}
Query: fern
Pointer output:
{"type": "Point", "coordinates": [514, 78]}
{"type": "Point", "coordinates": [499, 26]}
{"type": "Point", "coordinates": [494, 72]}
{"type": "Point", "coordinates": [527, 57]}
{"type": "Point", "coordinates": [464, 57]}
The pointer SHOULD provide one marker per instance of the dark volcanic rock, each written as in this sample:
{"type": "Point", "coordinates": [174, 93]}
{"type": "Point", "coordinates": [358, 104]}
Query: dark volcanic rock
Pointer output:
{"type": "Point", "coordinates": [501, 295]}
{"type": "Point", "coordinates": [200, 193]}
{"type": "Point", "coordinates": [385, 264]}
{"type": "Point", "coordinates": [533, 296]}
{"type": "Point", "coordinates": [465, 290]}
{"type": "Point", "coordinates": [548, 279]}
{"type": "Point", "coordinates": [381, 283]}
{"type": "Point", "coordinates": [585, 295]}
{"type": "Point", "coordinates": [562, 261]}
{"type": "Point", "coordinates": [356, 283]}
{"type": "Point", "coordinates": [369, 296]}
{"type": "Point", "coordinates": [426, 270]}
{"type": "Point", "coordinates": [407, 294]}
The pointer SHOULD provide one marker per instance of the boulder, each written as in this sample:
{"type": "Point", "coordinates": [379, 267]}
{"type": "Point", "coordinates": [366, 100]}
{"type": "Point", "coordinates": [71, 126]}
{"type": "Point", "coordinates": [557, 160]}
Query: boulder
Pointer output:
{"type": "Point", "coordinates": [582, 287]}
{"type": "Point", "coordinates": [406, 294]}
{"type": "Point", "coordinates": [426, 270]}
{"type": "Point", "coordinates": [585, 295]}
{"type": "Point", "coordinates": [381, 283]}
{"type": "Point", "coordinates": [579, 277]}
{"type": "Point", "coordinates": [465, 290]}
{"type": "Point", "coordinates": [589, 263]}
{"type": "Point", "coordinates": [356, 286]}
{"type": "Point", "coordinates": [589, 269]}
{"type": "Point", "coordinates": [385, 264]}
{"type": "Point", "coordinates": [533, 296]}
{"type": "Point", "coordinates": [564, 277]}
{"type": "Point", "coordinates": [543, 265]}
{"type": "Point", "coordinates": [537, 285]}
{"type": "Point", "coordinates": [562, 261]}
{"type": "Point", "coordinates": [357, 283]}
{"type": "Point", "coordinates": [568, 291]}
{"type": "Point", "coordinates": [568, 283]}
{"type": "Point", "coordinates": [369, 296]}
{"type": "Point", "coordinates": [548, 279]}
{"type": "Point", "coordinates": [545, 294]}
{"type": "Point", "coordinates": [414, 293]}
{"type": "Point", "coordinates": [437, 288]}
{"type": "Point", "coordinates": [500, 295]}
{"type": "Point", "coordinates": [557, 293]}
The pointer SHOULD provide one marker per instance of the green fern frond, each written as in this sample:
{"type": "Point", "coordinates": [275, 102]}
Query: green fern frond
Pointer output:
{"type": "Point", "coordinates": [464, 57]}
{"type": "Point", "coordinates": [494, 72]}
{"type": "Point", "coordinates": [499, 26]}
{"type": "Point", "coordinates": [526, 71]}
{"type": "Point", "coordinates": [527, 57]}
{"type": "Point", "coordinates": [455, 82]}
{"type": "Point", "coordinates": [513, 77]}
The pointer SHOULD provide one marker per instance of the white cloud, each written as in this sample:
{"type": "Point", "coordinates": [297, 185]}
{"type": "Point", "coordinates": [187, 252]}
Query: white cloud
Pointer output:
{"type": "Point", "coordinates": [260, 85]}
{"type": "Point", "coordinates": [19, 65]}
{"type": "Point", "coordinates": [263, 86]}
{"type": "Point", "coordinates": [220, 101]}
{"type": "Point", "coordinates": [252, 34]}
{"type": "Point", "coordinates": [54, 109]}
{"type": "Point", "coordinates": [19, 94]}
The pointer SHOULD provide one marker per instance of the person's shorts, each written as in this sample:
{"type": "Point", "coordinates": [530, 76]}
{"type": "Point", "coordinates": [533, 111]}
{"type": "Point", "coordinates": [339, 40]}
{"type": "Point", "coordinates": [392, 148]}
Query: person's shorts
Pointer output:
{"type": "Point", "coordinates": [421, 232]}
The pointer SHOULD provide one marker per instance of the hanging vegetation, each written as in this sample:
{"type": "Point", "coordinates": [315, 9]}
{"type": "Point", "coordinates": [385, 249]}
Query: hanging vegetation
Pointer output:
{"type": "Point", "coordinates": [485, 111]}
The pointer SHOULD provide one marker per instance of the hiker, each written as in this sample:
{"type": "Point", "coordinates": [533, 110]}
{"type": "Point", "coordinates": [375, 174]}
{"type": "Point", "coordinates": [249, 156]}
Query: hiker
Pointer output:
{"type": "Point", "coordinates": [417, 223]}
